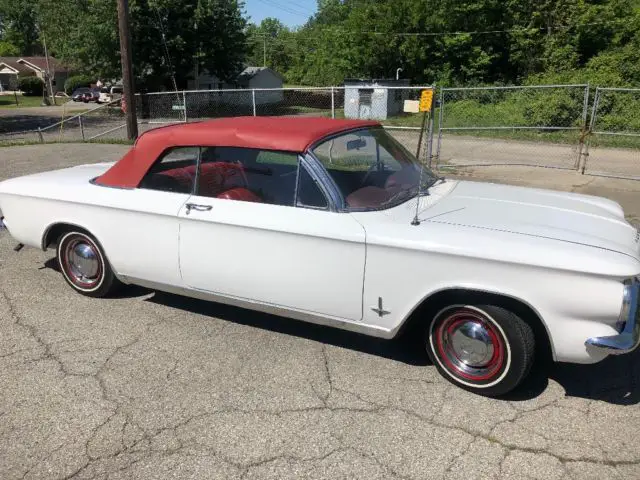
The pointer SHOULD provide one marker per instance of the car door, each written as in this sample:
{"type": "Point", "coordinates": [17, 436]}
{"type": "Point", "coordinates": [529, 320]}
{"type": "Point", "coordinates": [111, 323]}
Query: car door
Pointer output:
{"type": "Point", "coordinates": [141, 229]}
{"type": "Point", "coordinates": [259, 228]}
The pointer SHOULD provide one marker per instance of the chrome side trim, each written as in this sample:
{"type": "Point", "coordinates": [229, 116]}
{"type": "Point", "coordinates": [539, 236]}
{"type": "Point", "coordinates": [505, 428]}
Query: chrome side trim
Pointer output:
{"type": "Point", "coordinates": [627, 340]}
{"type": "Point", "coordinates": [300, 315]}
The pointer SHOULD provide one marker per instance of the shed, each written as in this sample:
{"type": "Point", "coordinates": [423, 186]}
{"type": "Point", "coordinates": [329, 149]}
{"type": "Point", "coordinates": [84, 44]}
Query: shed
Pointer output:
{"type": "Point", "coordinates": [262, 78]}
{"type": "Point", "coordinates": [373, 99]}
{"type": "Point", "coordinates": [238, 90]}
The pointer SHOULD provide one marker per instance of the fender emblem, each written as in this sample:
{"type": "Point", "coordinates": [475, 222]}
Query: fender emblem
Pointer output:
{"type": "Point", "coordinates": [380, 310]}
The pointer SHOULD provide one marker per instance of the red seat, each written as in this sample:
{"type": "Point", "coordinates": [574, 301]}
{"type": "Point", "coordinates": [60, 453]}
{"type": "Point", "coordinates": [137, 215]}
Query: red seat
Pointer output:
{"type": "Point", "coordinates": [368, 197]}
{"type": "Point", "coordinates": [182, 178]}
{"type": "Point", "coordinates": [241, 194]}
{"type": "Point", "coordinates": [218, 177]}
{"type": "Point", "coordinates": [217, 180]}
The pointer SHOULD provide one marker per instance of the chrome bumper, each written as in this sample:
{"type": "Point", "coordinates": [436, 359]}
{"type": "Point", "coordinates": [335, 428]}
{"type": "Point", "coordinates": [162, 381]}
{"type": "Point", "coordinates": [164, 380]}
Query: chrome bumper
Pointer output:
{"type": "Point", "coordinates": [627, 340]}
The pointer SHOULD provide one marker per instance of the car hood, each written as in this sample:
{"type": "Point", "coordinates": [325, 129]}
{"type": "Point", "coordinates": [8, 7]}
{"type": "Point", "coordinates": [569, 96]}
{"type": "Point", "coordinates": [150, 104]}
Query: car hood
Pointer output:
{"type": "Point", "coordinates": [567, 217]}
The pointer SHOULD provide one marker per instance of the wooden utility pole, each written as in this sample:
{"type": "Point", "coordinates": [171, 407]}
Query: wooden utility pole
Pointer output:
{"type": "Point", "coordinates": [127, 69]}
{"type": "Point", "coordinates": [48, 72]}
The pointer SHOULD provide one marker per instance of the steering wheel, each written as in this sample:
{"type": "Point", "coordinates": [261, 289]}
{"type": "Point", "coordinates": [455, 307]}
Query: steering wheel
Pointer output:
{"type": "Point", "coordinates": [370, 170]}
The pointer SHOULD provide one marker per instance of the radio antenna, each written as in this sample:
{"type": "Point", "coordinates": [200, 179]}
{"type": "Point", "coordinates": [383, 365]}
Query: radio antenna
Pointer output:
{"type": "Point", "coordinates": [415, 220]}
{"type": "Point", "coordinates": [425, 105]}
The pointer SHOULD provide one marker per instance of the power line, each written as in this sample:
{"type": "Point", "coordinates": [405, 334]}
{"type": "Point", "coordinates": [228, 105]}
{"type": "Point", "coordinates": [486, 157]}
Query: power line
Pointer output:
{"type": "Point", "coordinates": [273, 3]}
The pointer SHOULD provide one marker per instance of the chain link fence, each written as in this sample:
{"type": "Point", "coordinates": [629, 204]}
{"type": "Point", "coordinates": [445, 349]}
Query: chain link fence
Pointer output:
{"type": "Point", "coordinates": [613, 147]}
{"type": "Point", "coordinates": [541, 125]}
{"type": "Point", "coordinates": [383, 103]}
{"type": "Point", "coordinates": [97, 122]}
{"type": "Point", "coordinates": [558, 126]}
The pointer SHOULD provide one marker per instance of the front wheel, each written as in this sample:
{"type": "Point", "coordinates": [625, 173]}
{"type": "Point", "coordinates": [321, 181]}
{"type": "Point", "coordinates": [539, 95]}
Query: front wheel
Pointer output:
{"type": "Point", "coordinates": [84, 265]}
{"type": "Point", "coordinates": [482, 348]}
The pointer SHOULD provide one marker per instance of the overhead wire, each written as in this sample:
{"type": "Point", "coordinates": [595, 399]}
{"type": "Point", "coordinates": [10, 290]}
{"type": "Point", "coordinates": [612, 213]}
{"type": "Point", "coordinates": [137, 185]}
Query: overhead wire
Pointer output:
{"type": "Point", "coordinates": [166, 49]}
{"type": "Point", "coordinates": [274, 3]}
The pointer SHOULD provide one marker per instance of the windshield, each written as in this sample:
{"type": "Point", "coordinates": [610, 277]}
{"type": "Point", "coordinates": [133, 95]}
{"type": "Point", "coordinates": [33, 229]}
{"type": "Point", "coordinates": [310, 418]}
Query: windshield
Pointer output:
{"type": "Point", "coordinates": [372, 169]}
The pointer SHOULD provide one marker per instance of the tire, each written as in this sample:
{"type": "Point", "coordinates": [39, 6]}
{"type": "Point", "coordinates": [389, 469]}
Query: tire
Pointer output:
{"type": "Point", "coordinates": [84, 265]}
{"type": "Point", "coordinates": [485, 349]}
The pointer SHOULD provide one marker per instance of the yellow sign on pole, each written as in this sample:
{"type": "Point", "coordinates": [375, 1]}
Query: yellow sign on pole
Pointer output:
{"type": "Point", "coordinates": [426, 100]}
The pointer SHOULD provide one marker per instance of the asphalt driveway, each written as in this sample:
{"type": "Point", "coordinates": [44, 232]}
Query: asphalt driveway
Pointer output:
{"type": "Point", "coordinates": [152, 385]}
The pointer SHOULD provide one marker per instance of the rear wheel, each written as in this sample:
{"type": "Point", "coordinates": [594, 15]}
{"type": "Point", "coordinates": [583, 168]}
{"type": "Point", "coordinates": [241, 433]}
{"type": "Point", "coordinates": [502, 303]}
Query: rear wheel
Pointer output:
{"type": "Point", "coordinates": [84, 265]}
{"type": "Point", "coordinates": [482, 348]}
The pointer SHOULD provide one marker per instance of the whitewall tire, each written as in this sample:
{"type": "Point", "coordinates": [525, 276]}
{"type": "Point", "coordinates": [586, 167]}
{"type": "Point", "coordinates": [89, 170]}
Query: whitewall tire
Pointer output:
{"type": "Point", "coordinates": [482, 348]}
{"type": "Point", "coordinates": [84, 266]}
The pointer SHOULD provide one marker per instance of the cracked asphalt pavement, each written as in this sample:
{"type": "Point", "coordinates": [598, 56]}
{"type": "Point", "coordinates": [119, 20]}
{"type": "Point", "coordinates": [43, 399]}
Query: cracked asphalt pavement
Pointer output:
{"type": "Point", "coordinates": [152, 386]}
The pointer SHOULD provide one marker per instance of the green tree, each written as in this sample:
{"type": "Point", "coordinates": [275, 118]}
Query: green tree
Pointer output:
{"type": "Point", "coordinates": [19, 26]}
{"type": "Point", "coordinates": [273, 40]}
{"type": "Point", "coordinates": [169, 38]}
{"type": "Point", "coordinates": [8, 49]}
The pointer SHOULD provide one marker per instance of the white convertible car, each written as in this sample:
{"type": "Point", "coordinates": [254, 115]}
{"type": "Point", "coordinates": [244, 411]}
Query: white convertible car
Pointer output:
{"type": "Point", "coordinates": [334, 222]}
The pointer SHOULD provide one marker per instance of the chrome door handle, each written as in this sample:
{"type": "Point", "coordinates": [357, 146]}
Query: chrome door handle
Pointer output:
{"type": "Point", "coordinates": [199, 208]}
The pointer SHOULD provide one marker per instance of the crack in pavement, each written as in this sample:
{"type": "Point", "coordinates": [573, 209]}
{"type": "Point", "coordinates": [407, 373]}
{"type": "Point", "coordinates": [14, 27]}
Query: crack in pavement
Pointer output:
{"type": "Point", "coordinates": [134, 443]}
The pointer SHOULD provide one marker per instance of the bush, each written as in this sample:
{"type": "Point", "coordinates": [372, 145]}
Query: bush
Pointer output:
{"type": "Point", "coordinates": [77, 81]}
{"type": "Point", "coordinates": [31, 86]}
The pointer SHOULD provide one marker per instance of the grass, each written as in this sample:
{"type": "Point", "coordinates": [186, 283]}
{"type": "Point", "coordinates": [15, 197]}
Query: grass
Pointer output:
{"type": "Point", "coordinates": [115, 141]}
{"type": "Point", "coordinates": [9, 101]}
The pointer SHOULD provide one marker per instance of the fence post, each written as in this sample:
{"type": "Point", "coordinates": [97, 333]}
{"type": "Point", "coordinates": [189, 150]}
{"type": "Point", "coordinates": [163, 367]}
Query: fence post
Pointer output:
{"type": "Point", "coordinates": [592, 124]}
{"type": "Point", "coordinates": [40, 135]}
{"type": "Point", "coordinates": [253, 95]}
{"type": "Point", "coordinates": [584, 130]}
{"type": "Point", "coordinates": [81, 126]}
{"type": "Point", "coordinates": [333, 102]}
{"type": "Point", "coordinates": [184, 105]}
{"type": "Point", "coordinates": [440, 118]}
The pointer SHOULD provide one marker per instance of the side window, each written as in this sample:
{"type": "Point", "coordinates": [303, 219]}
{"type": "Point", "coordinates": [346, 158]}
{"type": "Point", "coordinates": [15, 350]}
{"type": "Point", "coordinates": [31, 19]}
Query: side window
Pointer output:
{"type": "Point", "coordinates": [175, 171]}
{"type": "Point", "coordinates": [309, 193]}
{"type": "Point", "coordinates": [246, 174]}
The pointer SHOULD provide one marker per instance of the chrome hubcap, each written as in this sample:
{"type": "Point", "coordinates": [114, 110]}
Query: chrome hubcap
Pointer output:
{"type": "Point", "coordinates": [471, 344]}
{"type": "Point", "coordinates": [83, 262]}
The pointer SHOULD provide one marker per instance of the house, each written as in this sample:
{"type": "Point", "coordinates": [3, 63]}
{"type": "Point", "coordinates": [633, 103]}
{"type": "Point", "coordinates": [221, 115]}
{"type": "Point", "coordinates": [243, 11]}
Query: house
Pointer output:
{"type": "Point", "coordinates": [372, 99]}
{"type": "Point", "coordinates": [250, 78]}
{"type": "Point", "coordinates": [13, 67]}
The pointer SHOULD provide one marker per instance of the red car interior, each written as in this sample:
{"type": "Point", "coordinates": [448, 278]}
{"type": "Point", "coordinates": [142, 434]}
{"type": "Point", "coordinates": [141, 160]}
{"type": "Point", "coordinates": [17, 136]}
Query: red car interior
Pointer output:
{"type": "Point", "coordinates": [217, 180]}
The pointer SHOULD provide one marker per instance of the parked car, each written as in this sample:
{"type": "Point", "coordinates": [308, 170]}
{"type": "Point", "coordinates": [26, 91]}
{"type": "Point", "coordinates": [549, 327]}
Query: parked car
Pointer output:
{"type": "Point", "coordinates": [93, 95]}
{"type": "Point", "coordinates": [109, 94]}
{"type": "Point", "coordinates": [78, 94]}
{"type": "Point", "coordinates": [335, 222]}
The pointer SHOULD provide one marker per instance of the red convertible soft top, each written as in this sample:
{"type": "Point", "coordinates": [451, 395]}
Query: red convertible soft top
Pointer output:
{"type": "Point", "coordinates": [291, 134]}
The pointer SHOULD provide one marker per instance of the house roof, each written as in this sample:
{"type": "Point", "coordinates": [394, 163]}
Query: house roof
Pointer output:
{"type": "Point", "coordinates": [292, 134]}
{"type": "Point", "coordinates": [249, 72]}
{"type": "Point", "coordinates": [30, 64]}
{"type": "Point", "coordinates": [376, 81]}
{"type": "Point", "coordinates": [12, 62]}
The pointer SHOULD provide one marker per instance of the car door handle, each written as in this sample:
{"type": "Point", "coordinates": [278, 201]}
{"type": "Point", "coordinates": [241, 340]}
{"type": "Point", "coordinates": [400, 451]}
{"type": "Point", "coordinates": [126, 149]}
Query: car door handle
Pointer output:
{"type": "Point", "coordinates": [199, 208]}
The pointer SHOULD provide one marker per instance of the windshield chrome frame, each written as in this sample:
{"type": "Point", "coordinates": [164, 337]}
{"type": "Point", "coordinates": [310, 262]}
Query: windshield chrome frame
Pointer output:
{"type": "Point", "coordinates": [333, 192]}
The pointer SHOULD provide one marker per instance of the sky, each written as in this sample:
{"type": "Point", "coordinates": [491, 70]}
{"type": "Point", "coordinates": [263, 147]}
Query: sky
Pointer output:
{"type": "Point", "coordinates": [289, 12]}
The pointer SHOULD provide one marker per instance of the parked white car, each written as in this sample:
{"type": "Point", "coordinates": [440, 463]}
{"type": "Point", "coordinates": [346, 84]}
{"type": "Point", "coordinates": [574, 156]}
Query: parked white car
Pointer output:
{"type": "Point", "coordinates": [109, 94]}
{"type": "Point", "coordinates": [335, 222]}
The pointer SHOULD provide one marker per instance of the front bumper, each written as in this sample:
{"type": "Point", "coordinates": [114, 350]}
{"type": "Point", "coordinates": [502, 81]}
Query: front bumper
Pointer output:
{"type": "Point", "coordinates": [627, 340]}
